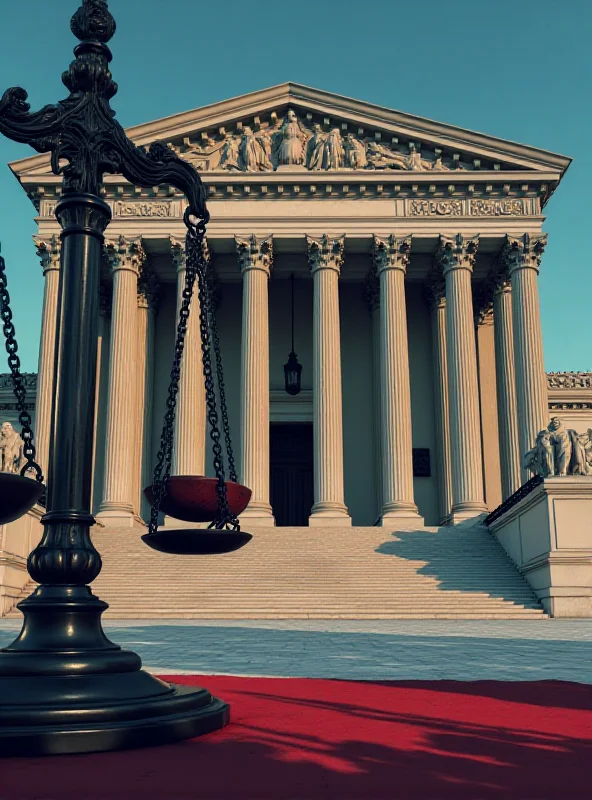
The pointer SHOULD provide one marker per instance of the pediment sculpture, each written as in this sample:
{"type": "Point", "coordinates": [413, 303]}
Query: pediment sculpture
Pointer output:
{"type": "Point", "coordinates": [560, 451]}
{"type": "Point", "coordinates": [288, 141]}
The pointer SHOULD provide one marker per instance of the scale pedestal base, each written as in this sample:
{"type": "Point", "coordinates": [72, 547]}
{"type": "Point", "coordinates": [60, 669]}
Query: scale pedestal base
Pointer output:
{"type": "Point", "coordinates": [65, 688]}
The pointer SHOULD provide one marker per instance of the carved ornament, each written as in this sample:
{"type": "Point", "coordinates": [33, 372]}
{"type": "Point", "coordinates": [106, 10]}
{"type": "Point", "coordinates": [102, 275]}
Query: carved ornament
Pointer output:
{"type": "Point", "coordinates": [325, 252]}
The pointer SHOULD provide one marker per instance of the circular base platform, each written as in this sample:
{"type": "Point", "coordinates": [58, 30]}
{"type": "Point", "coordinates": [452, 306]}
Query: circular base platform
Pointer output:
{"type": "Point", "coordinates": [183, 713]}
{"type": "Point", "coordinates": [185, 541]}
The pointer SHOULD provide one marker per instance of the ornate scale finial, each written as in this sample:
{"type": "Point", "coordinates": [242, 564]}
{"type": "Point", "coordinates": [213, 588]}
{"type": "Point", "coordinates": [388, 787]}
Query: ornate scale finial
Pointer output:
{"type": "Point", "coordinates": [93, 21]}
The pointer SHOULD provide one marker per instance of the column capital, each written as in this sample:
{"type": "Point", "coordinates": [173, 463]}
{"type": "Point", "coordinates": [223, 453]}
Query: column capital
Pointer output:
{"type": "Point", "coordinates": [457, 252]}
{"type": "Point", "coordinates": [48, 251]}
{"type": "Point", "coordinates": [254, 252]}
{"type": "Point", "coordinates": [125, 254]}
{"type": "Point", "coordinates": [149, 290]}
{"type": "Point", "coordinates": [325, 252]}
{"type": "Point", "coordinates": [394, 252]}
{"type": "Point", "coordinates": [524, 252]}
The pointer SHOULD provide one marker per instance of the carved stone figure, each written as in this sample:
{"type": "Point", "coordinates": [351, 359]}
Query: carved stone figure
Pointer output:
{"type": "Point", "coordinates": [333, 152]}
{"type": "Point", "coordinates": [314, 148]}
{"type": "Point", "coordinates": [540, 460]}
{"type": "Point", "coordinates": [11, 450]}
{"type": "Point", "coordinates": [414, 159]}
{"type": "Point", "coordinates": [578, 464]}
{"type": "Point", "coordinates": [291, 138]}
{"type": "Point", "coordinates": [562, 447]}
{"type": "Point", "coordinates": [559, 451]}
{"type": "Point", "coordinates": [355, 152]}
{"type": "Point", "coordinates": [229, 154]}
{"type": "Point", "coordinates": [252, 153]}
{"type": "Point", "coordinates": [381, 157]}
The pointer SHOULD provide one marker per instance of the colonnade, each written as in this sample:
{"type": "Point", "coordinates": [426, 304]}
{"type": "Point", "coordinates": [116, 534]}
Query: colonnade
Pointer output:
{"type": "Point", "coordinates": [520, 375]}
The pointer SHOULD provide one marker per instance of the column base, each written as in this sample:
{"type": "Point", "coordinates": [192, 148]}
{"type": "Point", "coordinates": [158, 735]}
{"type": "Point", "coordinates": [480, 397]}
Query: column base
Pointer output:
{"type": "Point", "coordinates": [257, 514]}
{"type": "Point", "coordinates": [406, 514]}
{"type": "Point", "coordinates": [327, 515]}
{"type": "Point", "coordinates": [116, 518]}
{"type": "Point", "coordinates": [467, 511]}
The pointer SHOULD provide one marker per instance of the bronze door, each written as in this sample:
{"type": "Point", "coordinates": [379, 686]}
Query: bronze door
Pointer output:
{"type": "Point", "coordinates": [291, 472]}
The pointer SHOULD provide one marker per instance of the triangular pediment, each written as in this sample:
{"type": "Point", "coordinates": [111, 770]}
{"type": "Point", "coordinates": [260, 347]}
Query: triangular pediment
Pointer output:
{"type": "Point", "coordinates": [295, 128]}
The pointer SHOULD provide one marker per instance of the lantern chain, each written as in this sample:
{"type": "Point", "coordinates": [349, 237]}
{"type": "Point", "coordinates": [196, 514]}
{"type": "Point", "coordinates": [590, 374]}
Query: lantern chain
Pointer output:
{"type": "Point", "coordinates": [14, 363]}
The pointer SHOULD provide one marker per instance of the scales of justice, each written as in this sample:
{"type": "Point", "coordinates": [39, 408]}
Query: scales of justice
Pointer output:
{"type": "Point", "coordinates": [64, 687]}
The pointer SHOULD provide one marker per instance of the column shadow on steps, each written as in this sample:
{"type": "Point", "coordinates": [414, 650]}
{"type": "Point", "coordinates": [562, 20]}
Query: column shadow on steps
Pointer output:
{"type": "Point", "coordinates": [468, 560]}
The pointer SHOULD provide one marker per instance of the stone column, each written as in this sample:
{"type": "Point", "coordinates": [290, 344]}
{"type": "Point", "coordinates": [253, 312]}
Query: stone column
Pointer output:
{"type": "Point", "coordinates": [49, 253]}
{"type": "Point", "coordinates": [189, 454]}
{"type": "Point", "coordinates": [436, 296]}
{"type": "Point", "coordinates": [102, 388]}
{"type": "Point", "coordinates": [507, 411]}
{"type": "Point", "coordinates": [391, 257]}
{"type": "Point", "coordinates": [325, 258]}
{"type": "Point", "coordinates": [372, 298]}
{"type": "Point", "coordinates": [126, 257]}
{"type": "Point", "coordinates": [523, 257]}
{"type": "Point", "coordinates": [456, 258]}
{"type": "Point", "coordinates": [255, 258]}
{"type": "Point", "coordinates": [149, 295]}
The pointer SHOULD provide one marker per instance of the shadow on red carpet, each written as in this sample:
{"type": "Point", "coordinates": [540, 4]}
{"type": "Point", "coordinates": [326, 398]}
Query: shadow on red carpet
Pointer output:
{"type": "Point", "coordinates": [304, 739]}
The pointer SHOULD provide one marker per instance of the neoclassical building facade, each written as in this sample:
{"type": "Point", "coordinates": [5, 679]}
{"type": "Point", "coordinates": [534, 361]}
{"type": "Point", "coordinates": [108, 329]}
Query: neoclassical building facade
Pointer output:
{"type": "Point", "coordinates": [410, 250]}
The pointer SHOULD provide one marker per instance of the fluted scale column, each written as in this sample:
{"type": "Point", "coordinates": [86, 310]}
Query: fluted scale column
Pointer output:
{"type": "Point", "coordinates": [391, 257]}
{"type": "Point", "coordinates": [49, 253]}
{"type": "Point", "coordinates": [189, 453]}
{"type": "Point", "coordinates": [523, 257]}
{"type": "Point", "coordinates": [255, 258]}
{"type": "Point", "coordinates": [126, 258]}
{"type": "Point", "coordinates": [507, 411]}
{"type": "Point", "coordinates": [372, 297]}
{"type": "Point", "coordinates": [325, 258]}
{"type": "Point", "coordinates": [456, 258]}
{"type": "Point", "coordinates": [437, 303]}
{"type": "Point", "coordinates": [149, 295]}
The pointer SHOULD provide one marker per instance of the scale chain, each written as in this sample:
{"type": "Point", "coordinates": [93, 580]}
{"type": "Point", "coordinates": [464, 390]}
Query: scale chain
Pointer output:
{"type": "Point", "coordinates": [195, 268]}
{"type": "Point", "coordinates": [14, 363]}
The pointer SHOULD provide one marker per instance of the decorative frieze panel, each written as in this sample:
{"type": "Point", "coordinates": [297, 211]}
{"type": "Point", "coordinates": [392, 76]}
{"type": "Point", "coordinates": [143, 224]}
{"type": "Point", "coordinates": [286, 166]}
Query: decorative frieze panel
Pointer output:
{"type": "Point", "coordinates": [469, 207]}
{"type": "Point", "coordinates": [569, 380]}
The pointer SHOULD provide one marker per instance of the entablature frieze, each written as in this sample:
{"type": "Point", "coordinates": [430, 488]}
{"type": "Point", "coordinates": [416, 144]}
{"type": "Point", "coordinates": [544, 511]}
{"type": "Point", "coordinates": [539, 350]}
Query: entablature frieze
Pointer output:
{"type": "Point", "coordinates": [412, 207]}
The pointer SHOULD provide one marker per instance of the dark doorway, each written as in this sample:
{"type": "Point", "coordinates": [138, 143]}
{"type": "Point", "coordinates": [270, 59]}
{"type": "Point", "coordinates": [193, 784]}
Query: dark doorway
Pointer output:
{"type": "Point", "coordinates": [291, 472]}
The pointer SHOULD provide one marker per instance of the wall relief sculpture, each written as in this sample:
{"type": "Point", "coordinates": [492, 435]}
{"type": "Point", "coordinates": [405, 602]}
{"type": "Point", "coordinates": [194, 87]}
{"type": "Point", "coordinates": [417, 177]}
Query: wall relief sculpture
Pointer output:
{"type": "Point", "coordinates": [559, 451]}
{"type": "Point", "coordinates": [569, 380]}
{"type": "Point", "coordinates": [288, 141]}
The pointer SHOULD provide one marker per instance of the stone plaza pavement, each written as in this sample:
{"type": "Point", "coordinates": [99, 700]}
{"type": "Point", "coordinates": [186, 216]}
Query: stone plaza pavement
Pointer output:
{"type": "Point", "coordinates": [520, 650]}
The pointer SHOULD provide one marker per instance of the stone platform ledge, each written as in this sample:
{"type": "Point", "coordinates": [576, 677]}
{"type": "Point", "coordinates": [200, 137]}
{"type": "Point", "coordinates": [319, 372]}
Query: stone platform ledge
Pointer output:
{"type": "Point", "coordinates": [547, 532]}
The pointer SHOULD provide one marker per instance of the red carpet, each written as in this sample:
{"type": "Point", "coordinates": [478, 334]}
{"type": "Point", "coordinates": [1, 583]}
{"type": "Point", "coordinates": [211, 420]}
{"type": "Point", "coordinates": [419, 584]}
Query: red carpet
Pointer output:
{"type": "Point", "coordinates": [307, 739]}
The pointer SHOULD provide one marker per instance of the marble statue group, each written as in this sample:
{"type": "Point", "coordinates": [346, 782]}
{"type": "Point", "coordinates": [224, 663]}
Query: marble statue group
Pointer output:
{"type": "Point", "coordinates": [560, 451]}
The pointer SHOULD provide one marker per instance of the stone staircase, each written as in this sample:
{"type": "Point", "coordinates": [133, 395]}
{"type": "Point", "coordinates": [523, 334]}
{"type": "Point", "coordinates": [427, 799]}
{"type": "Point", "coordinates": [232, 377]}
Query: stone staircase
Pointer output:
{"type": "Point", "coordinates": [317, 573]}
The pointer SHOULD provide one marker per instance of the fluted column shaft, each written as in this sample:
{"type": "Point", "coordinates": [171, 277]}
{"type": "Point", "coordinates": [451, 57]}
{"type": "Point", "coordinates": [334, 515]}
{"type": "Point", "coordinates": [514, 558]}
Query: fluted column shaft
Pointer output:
{"type": "Point", "coordinates": [506, 390]}
{"type": "Point", "coordinates": [391, 258]}
{"type": "Point", "coordinates": [126, 258]}
{"type": "Point", "coordinates": [255, 258]}
{"type": "Point", "coordinates": [49, 252]}
{"type": "Point", "coordinates": [456, 257]}
{"type": "Point", "coordinates": [325, 259]}
{"type": "Point", "coordinates": [522, 257]}
{"type": "Point", "coordinates": [148, 298]}
{"type": "Point", "coordinates": [442, 404]}
{"type": "Point", "coordinates": [372, 297]}
{"type": "Point", "coordinates": [189, 453]}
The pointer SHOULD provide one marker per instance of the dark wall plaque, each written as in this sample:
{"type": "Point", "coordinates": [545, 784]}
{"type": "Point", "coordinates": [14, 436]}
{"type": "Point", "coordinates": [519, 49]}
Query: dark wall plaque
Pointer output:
{"type": "Point", "coordinates": [421, 462]}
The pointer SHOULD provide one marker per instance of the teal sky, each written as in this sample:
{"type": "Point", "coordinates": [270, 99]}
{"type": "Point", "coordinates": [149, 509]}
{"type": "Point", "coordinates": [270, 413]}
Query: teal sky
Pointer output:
{"type": "Point", "coordinates": [517, 69]}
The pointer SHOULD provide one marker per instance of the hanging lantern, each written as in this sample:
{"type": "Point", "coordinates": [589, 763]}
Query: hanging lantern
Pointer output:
{"type": "Point", "coordinates": [292, 370]}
